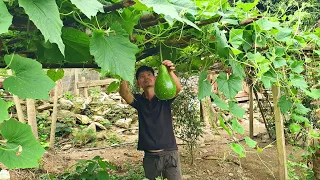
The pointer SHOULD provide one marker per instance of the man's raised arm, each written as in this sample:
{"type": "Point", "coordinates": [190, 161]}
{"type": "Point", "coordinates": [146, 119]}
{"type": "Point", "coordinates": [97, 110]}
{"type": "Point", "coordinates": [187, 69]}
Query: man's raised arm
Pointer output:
{"type": "Point", "coordinates": [125, 92]}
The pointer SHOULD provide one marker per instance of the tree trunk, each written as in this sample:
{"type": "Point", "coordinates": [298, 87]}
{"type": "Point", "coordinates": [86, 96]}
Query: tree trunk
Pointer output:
{"type": "Point", "coordinates": [316, 162]}
{"type": "Point", "coordinates": [32, 121]}
{"type": "Point", "coordinates": [17, 103]}
{"type": "Point", "coordinates": [54, 117]}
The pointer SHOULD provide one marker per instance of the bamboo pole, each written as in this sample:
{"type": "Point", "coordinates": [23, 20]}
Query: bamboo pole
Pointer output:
{"type": "Point", "coordinates": [17, 103]}
{"type": "Point", "coordinates": [54, 117]}
{"type": "Point", "coordinates": [251, 110]}
{"type": "Point", "coordinates": [83, 79]}
{"type": "Point", "coordinates": [76, 80]}
{"type": "Point", "coordinates": [283, 172]}
{"type": "Point", "coordinates": [32, 121]}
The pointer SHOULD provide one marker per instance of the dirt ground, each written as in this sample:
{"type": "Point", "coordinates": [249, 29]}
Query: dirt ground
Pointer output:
{"type": "Point", "coordinates": [213, 160]}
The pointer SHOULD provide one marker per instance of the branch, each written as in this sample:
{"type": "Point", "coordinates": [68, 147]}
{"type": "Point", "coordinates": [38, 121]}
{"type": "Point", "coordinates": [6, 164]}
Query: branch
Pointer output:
{"type": "Point", "coordinates": [119, 5]}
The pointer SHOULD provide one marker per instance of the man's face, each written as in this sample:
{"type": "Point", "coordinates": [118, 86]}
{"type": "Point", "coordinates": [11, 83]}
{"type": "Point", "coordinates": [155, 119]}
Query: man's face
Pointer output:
{"type": "Point", "coordinates": [146, 79]}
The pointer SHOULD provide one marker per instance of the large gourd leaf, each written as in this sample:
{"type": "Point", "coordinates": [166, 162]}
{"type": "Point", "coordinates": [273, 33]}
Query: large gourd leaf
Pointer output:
{"type": "Point", "coordinates": [114, 52]}
{"type": "Point", "coordinates": [204, 86]}
{"type": "Point", "coordinates": [89, 8]}
{"type": "Point", "coordinates": [173, 9]}
{"type": "Point", "coordinates": [130, 19]}
{"type": "Point", "coordinates": [236, 110]}
{"type": "Point", "coordinates": [219, 102]}
{"type": "Point", "coordinates": [236, 37]}
{"type": "Point", "coordinates": [222, 46]}
{"type": "Point", "coordinates": [77, 45]}
{"type": "Point", "coordinates": [229, 86]}
{"type": "Point", "coordinates": [29, 80]}
{"type": "Point", "coordinates": [4, 115]}
{"type": "Point", "coordinates": [22, 150]}
{"type": "Point", "coordinates": [45, 15]}
{"type": "Point", "coordinates": [5, 18]}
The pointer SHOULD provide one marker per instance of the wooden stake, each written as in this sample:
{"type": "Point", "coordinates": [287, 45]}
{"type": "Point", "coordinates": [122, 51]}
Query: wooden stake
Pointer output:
{"type": "Point", "coordinates": [251, 110]}
{"type": "Point", "coordinates": [283, 172]}
{"type": "Point", "coordinates": [76, 80]}
{"type": "Point", "coordinates": [17, 103]}
{"type": "Point", "coordinates": [54, 117]}
{"type": "Point", "coordinates": [86, 94]}
{"type": "Point", "coordinates": [32, 121]}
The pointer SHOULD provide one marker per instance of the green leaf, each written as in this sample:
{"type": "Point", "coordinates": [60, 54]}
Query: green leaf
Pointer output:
{"type": "Point", "coordinates": [229, 86]}
{"type": "Point", "coordinates": [267, 25]}
{"type": "Point", "coordinates": [300, 109]}
{"type": "Point", "coordinates": [295, 128]}
{"type": "Point", "coordinates": [237, 148]}
{"type": "Point", "coordinates": [236, 110]}
{"type": "Point", "coordinates": [22, 150]}
{"type": "Point", "coordinates": [113, 87]}
{"type": "Point", "coordinates": [5, 18]}
{"type": "Point", "coordinates": [55, 74]}
{"type": "Point", "coordinates": [283, 34]}
{"type": "Point", "coordinates": [222, 47]}
{"type": "Point", "coordinates": [235, 51]}
{"type": "Point", "coordinates": [130, 19]}
{"type": "Point", "coordinates": [45, 15]}
{"type": "Point", "coordinates": [102, 175]}
{"type": "Point", "coordinates": [299, 119]}
{"type": "Point", "coordinates": [205, 87]}
{"type": "Point", "coordinates": [221, 104]}
{"type": "Point", "coordinates": [237, 69]}
{"type": "Point", "coordinates": [29, 81]}
{"type": "Point", "coordinates": [298, 81]}
{"type": "Point", "coordinates": [247, 6]}
{"type": "Point", "coordinates": [4, 115]}
{"type": "Point", "coordinates": [172, 9]}
{"type": "Point", "coordinates": [77, 45]}
{"type": "Point", "coordinates": [89, 8]}
{"type": "Point", "coordinates": [114, 53]}
{"type": "Point", "coordinates": [279, 51]}
{"type": "Point", "coordinates": [223, 125]}
{"type": "Point", "coordinates": [251, 143]}
{"type": "Point", "coordinates": [284, 104]}
{"type": "Point", "coordinates": [279, 62]}
{"type": "Point", "coordinates": [248, 40]}
{"type": "Point", "coordinates": [259, 150]}
{"type": "Point", "coordinates": [314, 93]}
{"type": "Point", "coordinates": [237, 127]}
{"type": "Point", "coordinates": [297, 66]}
{"type": "Point", "coordinates": [236, 37]}
{"type": "Point", "coordinates": [268, 79]}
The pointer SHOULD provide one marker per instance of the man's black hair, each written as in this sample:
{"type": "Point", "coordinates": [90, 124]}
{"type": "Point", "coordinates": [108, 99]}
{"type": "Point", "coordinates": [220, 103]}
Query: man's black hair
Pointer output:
{"type": "Point", "coordinates": [142, 69]}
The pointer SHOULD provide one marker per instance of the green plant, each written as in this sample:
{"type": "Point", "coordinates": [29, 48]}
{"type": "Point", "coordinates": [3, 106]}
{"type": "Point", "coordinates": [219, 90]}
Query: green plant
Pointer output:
{"type": "Point", "coordinates": [68, 95]}
{"type": "Point", "coordinates": [96, 168]}
{"type": "Point", "coordinates": [188, 124]}
{"type": "Point", "coordinates": [134, 173]}
{"type": "Point", "coordinates": [43, 130]}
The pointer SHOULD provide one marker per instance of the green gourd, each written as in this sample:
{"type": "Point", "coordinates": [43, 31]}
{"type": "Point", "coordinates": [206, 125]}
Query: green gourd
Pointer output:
{"type": "Point", "coordinates": [164, 87]}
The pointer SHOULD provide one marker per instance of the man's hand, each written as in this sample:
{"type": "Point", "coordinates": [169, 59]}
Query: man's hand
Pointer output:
{"type": "Point", "coordinates": [171, 69]}
{"type": "Point", "coordinates": [169, 65]}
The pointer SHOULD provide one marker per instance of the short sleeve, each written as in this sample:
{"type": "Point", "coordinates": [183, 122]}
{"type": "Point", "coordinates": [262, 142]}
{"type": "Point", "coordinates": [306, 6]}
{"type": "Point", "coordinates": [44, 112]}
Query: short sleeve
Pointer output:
{"type": "Point", "coordinates": [135, 101]}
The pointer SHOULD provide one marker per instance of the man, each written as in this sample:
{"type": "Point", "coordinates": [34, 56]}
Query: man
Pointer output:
{"type": "Point", "coordinates": [156, 136]}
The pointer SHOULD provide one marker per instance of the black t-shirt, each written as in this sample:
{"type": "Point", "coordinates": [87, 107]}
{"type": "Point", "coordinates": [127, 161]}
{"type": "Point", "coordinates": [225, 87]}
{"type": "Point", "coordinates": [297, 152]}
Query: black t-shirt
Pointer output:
{"type": "Point", "coordinates": [155, 123]}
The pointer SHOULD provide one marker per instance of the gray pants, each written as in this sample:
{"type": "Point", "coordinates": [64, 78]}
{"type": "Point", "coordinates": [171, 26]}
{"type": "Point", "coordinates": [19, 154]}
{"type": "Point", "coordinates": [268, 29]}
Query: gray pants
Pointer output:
{"type": "Point", "coordinates": [165, 164]}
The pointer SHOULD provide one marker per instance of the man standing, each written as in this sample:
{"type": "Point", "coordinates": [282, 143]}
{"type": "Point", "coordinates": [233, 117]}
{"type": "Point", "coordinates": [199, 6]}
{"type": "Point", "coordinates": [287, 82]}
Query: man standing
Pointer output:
{"type": "Point", "coordinates": [156, 136]}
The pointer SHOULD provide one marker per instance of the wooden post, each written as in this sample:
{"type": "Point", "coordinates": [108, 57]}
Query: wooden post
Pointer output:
{"type": "Point", "coordinates": [316, 161]}
{"type": "Point", "coordinates": [32, 121]}
{"type": "Point", "coordinates": [54, 117]}
{"type": "Point", "coordinates": [283, 172]}
{"type": "Point", "coordinates": [17, 103]}
{"type": "Point", "coordinates": [85, 89]}
{"type": "Point", "coordinates": [76, 80]}
{"type": "Point", "coordinates": [251, 110]}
